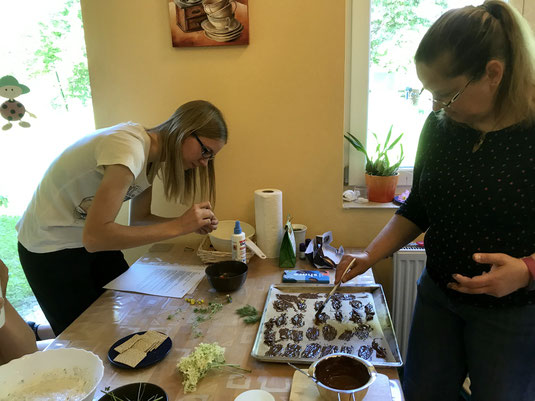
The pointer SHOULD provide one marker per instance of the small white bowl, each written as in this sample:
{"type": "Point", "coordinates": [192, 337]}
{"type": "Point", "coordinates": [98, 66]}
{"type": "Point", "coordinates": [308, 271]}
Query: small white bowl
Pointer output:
{"type": "Point", "coordinates": [255, 395]}
{"type": "Point", "coordinates": [220, 238]}
{"type": "Point", "coordinates": [63, 362]}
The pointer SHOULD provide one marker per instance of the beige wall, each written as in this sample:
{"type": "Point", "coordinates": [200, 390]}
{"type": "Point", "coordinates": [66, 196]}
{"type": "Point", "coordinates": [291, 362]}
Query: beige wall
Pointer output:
{"type": "Point", "coordinates": [282, 96]}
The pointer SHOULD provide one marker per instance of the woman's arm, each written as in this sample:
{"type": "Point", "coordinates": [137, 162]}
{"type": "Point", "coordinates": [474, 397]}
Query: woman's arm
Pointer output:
{"type": "Point", "coordinates": [101, 232]}
{"type": "Point", "coordinates": [16, 337]}
{"type": "Point", "coordinates": [398, 232]}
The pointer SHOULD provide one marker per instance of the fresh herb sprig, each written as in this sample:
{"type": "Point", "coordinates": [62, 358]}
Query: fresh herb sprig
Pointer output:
{"type": "Point", "coordinates": [249, 314]}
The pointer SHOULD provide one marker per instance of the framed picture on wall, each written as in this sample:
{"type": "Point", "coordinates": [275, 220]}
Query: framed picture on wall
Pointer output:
{"type": "Point", "coordinates": [209, 22]}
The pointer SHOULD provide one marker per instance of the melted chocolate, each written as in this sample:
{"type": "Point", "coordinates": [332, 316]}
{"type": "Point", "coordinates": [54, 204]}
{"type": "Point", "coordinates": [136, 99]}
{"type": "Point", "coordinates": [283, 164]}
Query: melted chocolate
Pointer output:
{"type": "Point", "coordinates": [298, 320]}
{"type": "Point", "coordinates": [342, 373]}
{"type": "Point", "coordinates": [329, 332]}
{"type": "Point", "coordinates": [346, 335]}
{"type": "Point", "coordinates": [338, 316]}
{"type": "Point", "coordinates": [311, 350]}
{"type": "Point", "coordinates": [318, 305]}
{"type": "Point", "coordinates": [302, 305]}
{"type": "Point", "coordinates": [313, 333]}
{"type": "Point", "coordinates": [365, 352]}
{"type": "Point", "coordinates": [329, 349]}
{"type": "Point", "coordinates": [292, 350]}
{"type": "Point", "coordinates": [274, 350]}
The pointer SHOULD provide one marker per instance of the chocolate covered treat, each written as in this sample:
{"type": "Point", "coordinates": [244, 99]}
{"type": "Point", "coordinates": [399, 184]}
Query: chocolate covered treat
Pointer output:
{"type": "Point", "coordinates": [380, 352]}
{"type": "Point", "coordinates": [363, 331]}
{"type": "Point", "coordinates": [346, 335]}
{"type": "Point", "coordinates": [298, 320]}
{"type": "Point", "coordinates": [365, 352]}
{"type": "Point", "coordinates": [329, 332]}
{"type": "Point", "coordinates": [321, 318]}
{"type": "Point", "coordinates": [347, 349]}
{"type": "Point", "coordinates": [338, 316]}
{"type": "Point", "coordinates": [309, 296]}
{"type": "Point", "coordinates": [313, 333]}
{"type": "Point", "coordinates": [329, 349]}
{"type": "Point", "coordinates": [269, 338]}
{"type": "Point", "coordinates": [369, 311]}
{"type": "Point", "coordinates": [296, 336]}
{"type": "Point", "coordinates": [355, 316]}
{"type": "Point", "coordinates": [356, 304]}
{"type": "Point", "coordinates": [318, 305]}
{"type": "Point", "coordinates": [284, 334]}
{"type": "Point", "coordinates": [311, 350]}
{"type": "Point", "coordinates": [336, 303]}
{"type": "Point", "coordinates": [281, 320]}
{"type": "Point", "coordinates": [274, 350]}
{"type": "Point", "coordinates": [281, 305]}
{"type": "Point", "coordinates": [292, 351]}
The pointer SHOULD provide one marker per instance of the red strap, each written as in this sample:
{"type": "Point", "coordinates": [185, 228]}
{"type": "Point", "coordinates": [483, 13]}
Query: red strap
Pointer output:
{"type": "Point", "coordinates": [530, 263]}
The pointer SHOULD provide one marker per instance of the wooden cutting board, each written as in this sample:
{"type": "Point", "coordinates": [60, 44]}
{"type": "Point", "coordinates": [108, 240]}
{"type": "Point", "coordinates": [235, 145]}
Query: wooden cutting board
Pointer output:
{"type": "Point", "coordinates": [304, 389]}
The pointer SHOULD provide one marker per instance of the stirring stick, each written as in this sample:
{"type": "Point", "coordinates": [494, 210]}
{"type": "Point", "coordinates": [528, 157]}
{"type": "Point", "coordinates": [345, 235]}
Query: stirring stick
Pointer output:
{"type": "Point", "coordinates": [334, 289]}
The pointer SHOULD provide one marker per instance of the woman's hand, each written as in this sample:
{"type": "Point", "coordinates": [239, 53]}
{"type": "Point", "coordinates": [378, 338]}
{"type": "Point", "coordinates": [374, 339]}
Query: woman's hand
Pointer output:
{"type": "Point", "coordinates": [506, 275]}
{"type": "Point", "coordinates": [4, 276]}
{"type": "Point", "coordinates": [362, 263]}
{"type": "Point", "coordinates": [198, 218]}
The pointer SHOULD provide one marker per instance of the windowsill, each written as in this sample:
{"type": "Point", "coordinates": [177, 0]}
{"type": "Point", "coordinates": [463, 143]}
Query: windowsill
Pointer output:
{"type": "Point", "coordinates": [372, 205]}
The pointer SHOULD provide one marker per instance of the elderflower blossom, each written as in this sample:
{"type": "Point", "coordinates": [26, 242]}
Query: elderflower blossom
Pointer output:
{"type": "Point", "coordinates": [195, 366]}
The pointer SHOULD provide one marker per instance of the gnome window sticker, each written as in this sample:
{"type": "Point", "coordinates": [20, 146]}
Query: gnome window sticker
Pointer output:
{"type": "Point", "coordinates": [11, 109]}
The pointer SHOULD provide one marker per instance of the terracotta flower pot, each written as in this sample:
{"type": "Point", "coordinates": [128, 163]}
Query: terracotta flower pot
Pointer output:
{"type": "Point", "coordinates": [380, 188]}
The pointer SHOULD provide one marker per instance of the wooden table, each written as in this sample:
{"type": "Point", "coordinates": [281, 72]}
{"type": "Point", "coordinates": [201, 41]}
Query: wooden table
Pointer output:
{"type": "Point", "coordinates": [116, 314]}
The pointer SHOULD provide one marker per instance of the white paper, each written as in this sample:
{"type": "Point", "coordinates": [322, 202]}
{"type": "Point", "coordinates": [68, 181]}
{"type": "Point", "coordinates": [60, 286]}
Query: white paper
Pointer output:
{"type": "Point", "coordinates": [148, 276]}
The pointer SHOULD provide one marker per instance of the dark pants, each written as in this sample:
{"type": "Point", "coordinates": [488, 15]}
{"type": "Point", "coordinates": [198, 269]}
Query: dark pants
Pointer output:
{"type": "Point", "coordinates": [66, 282]}
{"type": "Point", "coordinates": [496, 347]}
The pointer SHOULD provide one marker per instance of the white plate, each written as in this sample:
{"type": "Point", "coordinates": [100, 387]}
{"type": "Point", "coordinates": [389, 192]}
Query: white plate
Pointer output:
{"type": "Point", "coordinates": [222, 39]}
{"type": "Point", "coordinates": [255, 395]}
{"type": "Point", "coordinates": [209, 27]}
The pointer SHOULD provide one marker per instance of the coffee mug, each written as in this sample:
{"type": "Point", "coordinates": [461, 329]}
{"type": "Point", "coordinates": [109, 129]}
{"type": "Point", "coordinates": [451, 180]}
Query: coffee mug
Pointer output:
{"type": "Point", "coordinates": [220, 23]}
{"type": "Point", "coordinates": [211, 6]}
{"type": "Point", "coordinates": [227, 11]}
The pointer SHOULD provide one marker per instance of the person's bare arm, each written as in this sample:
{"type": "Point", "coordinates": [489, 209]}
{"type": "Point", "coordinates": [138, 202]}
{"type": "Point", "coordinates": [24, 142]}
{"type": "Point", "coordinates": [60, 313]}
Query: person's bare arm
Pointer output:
{"type": "Point", "coordinates": [101, 232]}
{"type": "Point", "coordinates": [398, 232]}
{"type": "Point", "coordinates": [16, 337]}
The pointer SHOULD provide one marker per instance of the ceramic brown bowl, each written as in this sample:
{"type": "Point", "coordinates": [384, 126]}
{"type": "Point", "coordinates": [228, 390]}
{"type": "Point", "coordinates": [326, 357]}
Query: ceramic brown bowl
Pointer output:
{"type": "Point", "coordinates": [226, 276]}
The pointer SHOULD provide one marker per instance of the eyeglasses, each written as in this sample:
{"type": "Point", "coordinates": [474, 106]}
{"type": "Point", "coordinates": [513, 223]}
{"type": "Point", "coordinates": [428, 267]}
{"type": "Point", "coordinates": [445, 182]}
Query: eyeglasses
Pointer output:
{"type": "Point", "coordinates": [446, 105]}
{"type": "Point", "coordinates": [206, 153]}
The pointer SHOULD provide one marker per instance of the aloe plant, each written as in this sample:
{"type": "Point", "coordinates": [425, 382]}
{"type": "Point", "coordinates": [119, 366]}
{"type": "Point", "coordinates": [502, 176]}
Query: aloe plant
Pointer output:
{"type": "Point", "coordinates": [381, 165]}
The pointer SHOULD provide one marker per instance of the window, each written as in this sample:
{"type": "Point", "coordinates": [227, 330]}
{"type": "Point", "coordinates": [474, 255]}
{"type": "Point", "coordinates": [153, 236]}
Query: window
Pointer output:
{"type": "Point", "coordinates": [384, 89]}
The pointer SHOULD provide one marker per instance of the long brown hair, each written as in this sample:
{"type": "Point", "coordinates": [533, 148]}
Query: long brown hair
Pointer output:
{"type": "Point", "coordinates": [471, 37]}
{"type": "Point", "coordinates": [199, 117]}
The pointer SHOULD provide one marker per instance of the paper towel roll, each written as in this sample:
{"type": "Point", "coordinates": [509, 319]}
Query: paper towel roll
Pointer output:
{"type": "Point", "coordinates": [268, 217]}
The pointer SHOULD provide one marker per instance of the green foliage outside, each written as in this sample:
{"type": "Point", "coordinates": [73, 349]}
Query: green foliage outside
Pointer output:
{"type": "Point", "coordinates": [19, 292]}
{"type": "Point", "coordinates": [67, 67]}
{"type": "Point", "coordinates": [393, 22]}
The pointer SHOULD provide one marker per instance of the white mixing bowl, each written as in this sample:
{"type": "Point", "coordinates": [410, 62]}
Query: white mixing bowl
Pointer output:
{"type": "Point", "coordinates": [44, 370]}
{"type": "Point", "coordinates": [220, 238]}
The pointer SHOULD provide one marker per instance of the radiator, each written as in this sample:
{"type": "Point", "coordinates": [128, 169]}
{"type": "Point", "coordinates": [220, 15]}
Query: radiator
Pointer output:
{"type": "Point", "coordinates": [409, 262]}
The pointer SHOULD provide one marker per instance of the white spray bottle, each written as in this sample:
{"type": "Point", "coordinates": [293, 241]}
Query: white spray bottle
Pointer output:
{"type": "Point", "coordinates": [239, 248]}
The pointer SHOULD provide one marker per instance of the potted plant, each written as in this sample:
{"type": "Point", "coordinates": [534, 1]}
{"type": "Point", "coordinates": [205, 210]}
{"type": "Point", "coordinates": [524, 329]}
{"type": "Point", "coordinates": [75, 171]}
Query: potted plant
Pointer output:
{"type": "Point", "coordinates": [381, 175]}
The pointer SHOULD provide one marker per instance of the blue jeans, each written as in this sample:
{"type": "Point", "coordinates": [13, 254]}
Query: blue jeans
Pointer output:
{"type": "Point", "coordinates": [449, 340]}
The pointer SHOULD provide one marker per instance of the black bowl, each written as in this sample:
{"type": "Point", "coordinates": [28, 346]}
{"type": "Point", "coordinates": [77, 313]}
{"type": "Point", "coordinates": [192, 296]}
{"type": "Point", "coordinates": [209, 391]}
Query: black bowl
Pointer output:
{"type": "Point", "coordinates": [226, 276]}
{"type": "Point", "coordinates": [132, 390]}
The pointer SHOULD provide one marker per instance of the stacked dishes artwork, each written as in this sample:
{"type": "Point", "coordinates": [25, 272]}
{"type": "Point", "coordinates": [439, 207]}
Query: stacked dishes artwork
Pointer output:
{"type": "Point", "coordinates": [221, 25]}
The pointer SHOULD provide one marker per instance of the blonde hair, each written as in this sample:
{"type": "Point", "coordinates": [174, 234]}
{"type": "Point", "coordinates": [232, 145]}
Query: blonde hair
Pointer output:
{"type": "Point", "coordinates": [472, 36]}
{"type": "Point", "coordinates": [199, 117]}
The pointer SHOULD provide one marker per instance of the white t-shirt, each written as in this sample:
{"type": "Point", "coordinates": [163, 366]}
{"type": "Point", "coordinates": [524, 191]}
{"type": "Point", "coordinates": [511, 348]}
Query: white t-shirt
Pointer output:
{"type": "Point", "coordinates": [55, 217]}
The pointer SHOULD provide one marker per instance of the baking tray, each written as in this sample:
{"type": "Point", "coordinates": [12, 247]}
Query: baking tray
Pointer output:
{"type": "Point", "coordinates": [375, 291]}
